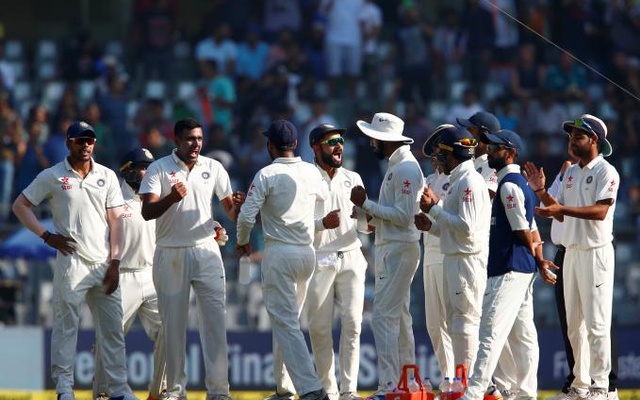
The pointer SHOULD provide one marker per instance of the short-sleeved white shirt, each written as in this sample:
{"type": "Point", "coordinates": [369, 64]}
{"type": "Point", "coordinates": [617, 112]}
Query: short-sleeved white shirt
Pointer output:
{"type": "Point", "coordinates": [188, 222]}
{"type": "Point", "coordinates": [582, 187]}
{"type": "Point", "coordinates": [79, 206]}
{"type": "Point", "coordinates": [345, 236]}
{"type": "Point", "coordinates": [285, 193]}
{"type": "Point", "coordinates": [481, 164]}
{"type": "Point", "coordinates": [139, 235]}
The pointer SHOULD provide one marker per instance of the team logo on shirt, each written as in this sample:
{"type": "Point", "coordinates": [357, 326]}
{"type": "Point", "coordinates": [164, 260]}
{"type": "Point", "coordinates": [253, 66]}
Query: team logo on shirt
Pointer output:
{"type": "Point", "coordinates": [589, 179]}
{"type": "Point", "coordinates": [445, 187]}
{"type": "Point", "coordinates": [347, 184]}
{"type": "Point", "coordinates": [570, 184]}
{"type": "Point", "coordinates": [612, 186]}
{"type": "Point", "coordinates": [126, 212]}
{"type": "Point", "coordinates": [65, 183]}
{"type": "Point", "coordinates": [510, 203]}
{"type": "Point", "coordinates": [250, 191]}
{"type": "Point", "coordinates": [468, 196]}
{"type": "Point", "coordinates": [173, 178]}
{"type": "Point", "coordinates": [101, 182]}
{"type": "Point", "coordinates": [205, 175]}
{"type": "Point", "coordinates": [406, 187]}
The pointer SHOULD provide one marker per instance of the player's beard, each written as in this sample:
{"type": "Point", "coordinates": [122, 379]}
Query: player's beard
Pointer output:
{"type": "Point", "coordinates": [327, 158]}
{"type": "Point", "coordinates": [497, 163]}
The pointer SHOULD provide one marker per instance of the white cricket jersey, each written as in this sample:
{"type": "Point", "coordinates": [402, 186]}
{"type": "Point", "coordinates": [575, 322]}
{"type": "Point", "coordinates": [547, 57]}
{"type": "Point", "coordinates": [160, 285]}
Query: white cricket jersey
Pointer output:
{"type": "Point", "coordinates": [481, 164]}
{"type": "Point", "coordinates": [188, 222]}
{"type": "Point", "coordinates": [139, 236]}
{"type": "Point", "coordinates": [285, 194]}
{"type": "Point", "coordinates": [345, 236]}
{"type": "Point", "coordinates": [557, 227]}
{"type": "Point", "coordinates": [582, 187]}
{"type": "Point", "coordinates": [439, 184]}
{"type": "Point", "coordinates": [512, 198]}
{"type": "Point", "coordinates": [399, 199]}
{"type": "Point", "coordinates": [464, 219]}
{"type": "Point", "coordinates": [79, 206]}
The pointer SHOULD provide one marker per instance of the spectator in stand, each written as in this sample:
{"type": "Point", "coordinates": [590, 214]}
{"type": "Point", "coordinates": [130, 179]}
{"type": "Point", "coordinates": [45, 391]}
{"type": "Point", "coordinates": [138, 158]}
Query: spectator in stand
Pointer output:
{"type": "Point", "coordinates": [279, 15]}
{"type": "Point", "coordinates": [252, 155]}
{"type": "Point", "coordinates": [114, 109]}
{"type": "Point", "coordinates": [151, 113]}
{"type": "Point", "coordinates": [418, 128]}
{"type": "Point", "coordinates": [156, 142]}
{"type": "Point", "coordinates": [314, 49]}
{"type": "Point", "coordinates": [465, 108]}
{"type": "Point", "coordinates": [219, 47]}
{"type": "Point", "coordinates": [235, 13]}
{"type": "Point", "coordinates": [478, 37]}
{"type": "Point", "coordinates": [567, 78]}
{"type": "Point", "coordinates": [446, 48]}
{"type": "Point", "coordinates": [574, 26]}
{"type": "Point", "coordinates": [544, 120]}
{"type": "Point", "coordinates": [415, 61]}
{"type": "Point", "coordinates": [527, 74]}
{"type": "Point", "coordinates": [371, 26]}
{"type": "Point", "coordinates": [506, 37]}
{"type": "Point", "coordinates": [7, 71]}
{"type": "Point", "coordinates": [38, 113]}
{"type": "Point", "coordinates": [154, 32]}
{"type": "Point", "coordinates": [343, 42]}
{"type": "Point", "coordinates": [55, 149]}
{"type": "Point", "coordinates": [105, 149]}
{"type": "Point", "coordinates": [252, 55]}
{"type": "Point", "coordinates": [68, 106]}
{"type": "Point", "coordinates": [82, 58]}
{"type": "Point", "coordinates": [32, 159]}
{"type": "Point", "coordinates": [221, 93]}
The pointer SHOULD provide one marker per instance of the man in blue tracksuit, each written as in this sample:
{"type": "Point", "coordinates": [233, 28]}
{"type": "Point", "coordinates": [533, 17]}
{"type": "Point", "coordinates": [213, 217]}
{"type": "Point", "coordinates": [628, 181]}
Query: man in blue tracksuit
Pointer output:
{"type": "Point", "coordinates": [515, 255]}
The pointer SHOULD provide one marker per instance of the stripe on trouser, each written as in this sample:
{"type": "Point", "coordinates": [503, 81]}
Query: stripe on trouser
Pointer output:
{"type": "Point", "coordinates": [395, 265]}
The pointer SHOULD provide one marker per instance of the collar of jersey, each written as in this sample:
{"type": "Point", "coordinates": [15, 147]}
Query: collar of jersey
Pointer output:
{"type": "Point", "coordinates": [287, 160]}
{"type": "Point", "coordinates": [508, 169]}
{"type": "Point", "coordinates": [69, 168]}
{"type": "Point", "coordinates": [181, 163]}
{"type": "Point", "coordinates": [400, 154]}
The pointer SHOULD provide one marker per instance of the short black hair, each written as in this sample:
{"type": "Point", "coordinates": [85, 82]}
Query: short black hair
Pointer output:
{"type": "Point", "coordinates": [185, 125]}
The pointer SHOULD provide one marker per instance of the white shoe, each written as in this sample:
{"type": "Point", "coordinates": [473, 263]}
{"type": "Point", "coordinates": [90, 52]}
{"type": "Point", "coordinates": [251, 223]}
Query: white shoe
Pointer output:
{"type": "Point", "coordinates": [598, 394]}
{"type": "Point", "coordinates": [350, 396]}
{"type": "Point", "coordinates": [613, 395]}
{"type": "Point", "coordinates": [572, 394]}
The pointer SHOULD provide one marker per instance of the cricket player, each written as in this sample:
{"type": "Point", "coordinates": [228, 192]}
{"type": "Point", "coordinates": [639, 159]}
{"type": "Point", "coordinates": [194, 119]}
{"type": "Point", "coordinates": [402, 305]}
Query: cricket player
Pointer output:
{"type": "Point", "coordinates": [87, 206]}
{"type": "Point", "coordinates": [433, 273]}
{"type": "Point", "coordinates": [397, 251]}
{"type": "Point", "coordinates": [586, 204]}
{"type": "Point", "coordinates": [339, 276]}
{"type": "Point", "coordinates": [462, 221]}
{"type": "Point", "coordinates": [178, 191]}
{"type": "Point", "coordinates": [138, 293]}
{"type": "Point", "coordinates": [285, 193]}
{"type": "Point", "coordinates": [515, 255]}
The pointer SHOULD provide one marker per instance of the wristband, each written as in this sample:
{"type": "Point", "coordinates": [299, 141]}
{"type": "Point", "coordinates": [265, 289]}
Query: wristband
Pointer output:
{"type": "Point", "coordinates": [45, 236]}
{"type": "Point", "coordinates": [539, 190]}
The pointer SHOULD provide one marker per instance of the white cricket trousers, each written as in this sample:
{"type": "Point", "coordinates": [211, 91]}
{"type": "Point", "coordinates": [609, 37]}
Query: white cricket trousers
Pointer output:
{"type": "Point", "coordinates": [286, 271]}
{"type": "Point", "coordinates": [175, 271]}
{"type": "Point", "coordinates": [436, 316]}
{"type": "Point", "coordinates": [139, 298]}
{"type": "Point", "coordinates": [507, 316]}
{"type": "Point", "coordinates": [465, 277]}
{"type": "Point", "coordinates": [340, 286]}
{"type": "Point", "coordinates": [75, 281]}
{"type": "Point", "coordinates": [395, 265]}
{"type": "Point", "coordinates": [588, 295]}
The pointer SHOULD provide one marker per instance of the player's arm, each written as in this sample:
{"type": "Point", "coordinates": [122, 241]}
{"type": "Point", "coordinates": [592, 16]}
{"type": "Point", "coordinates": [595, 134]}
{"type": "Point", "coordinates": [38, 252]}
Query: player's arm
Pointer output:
{"type": "Point", "coordinates": [23, 211]}
{"type": "Point", "coordinates": [248, 211]}
{"type": "Point", "coordinates": [596, 212]}
{"type": "Point", "coordinates": [153, 206]}
{"type": "Point", "coordinates": [408, 187]}
{"type": "Point", "coordinates": [232, 204]}
{"type": "Point", "coordinates": [111, 278]}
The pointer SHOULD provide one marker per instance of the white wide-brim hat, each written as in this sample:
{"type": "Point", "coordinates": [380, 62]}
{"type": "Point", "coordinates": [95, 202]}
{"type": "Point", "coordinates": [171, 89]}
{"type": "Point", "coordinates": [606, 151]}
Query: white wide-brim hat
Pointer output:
{"type": "Point", "coordinates": [385, 127]}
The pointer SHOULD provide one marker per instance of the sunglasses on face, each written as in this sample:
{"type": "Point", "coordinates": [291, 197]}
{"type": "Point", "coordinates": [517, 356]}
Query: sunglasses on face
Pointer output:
{"type": "Point", "coordinates": [333, 141]}
{"type": "Point", "coordinates": [83, 141]}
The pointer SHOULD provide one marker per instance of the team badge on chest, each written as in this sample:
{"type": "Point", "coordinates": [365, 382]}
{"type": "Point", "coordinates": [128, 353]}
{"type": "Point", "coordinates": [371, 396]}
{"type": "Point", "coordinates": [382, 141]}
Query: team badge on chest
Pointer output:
{"type": "Point", "coordinates": [65, 183]}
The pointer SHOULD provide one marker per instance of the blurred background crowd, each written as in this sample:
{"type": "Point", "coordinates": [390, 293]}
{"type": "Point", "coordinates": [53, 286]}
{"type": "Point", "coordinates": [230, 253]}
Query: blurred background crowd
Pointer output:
{"type": "Point", "coordinates": [131, 68]}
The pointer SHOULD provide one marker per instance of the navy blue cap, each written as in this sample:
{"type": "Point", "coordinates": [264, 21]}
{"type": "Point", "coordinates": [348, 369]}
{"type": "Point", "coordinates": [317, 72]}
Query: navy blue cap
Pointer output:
{"type": "Point", "coordinates": [458, 140]}
{"type": "Point", "coordinates": [504, 137]}
{"type": "Point", "coordinates": [321, 130]}
{"type": "Point", "coordinates": [135, 157]}
{"type": "Point", "coordinates": [433, 140]}
{"type": "Point", "coordinates": [282, 133]}
{"type": "Point", "coordinates": [481, 119]}
{"type": "Point", "coordinates": [80, 129]}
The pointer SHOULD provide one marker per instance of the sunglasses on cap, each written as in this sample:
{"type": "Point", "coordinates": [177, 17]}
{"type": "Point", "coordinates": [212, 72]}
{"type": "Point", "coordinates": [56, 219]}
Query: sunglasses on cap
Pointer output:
{"type": "Point", "coordinates": [83, 140]}
{"type": "Point", "coordinates": [333, 141]}
{"type": "Point", "coordinates": [466, 142]}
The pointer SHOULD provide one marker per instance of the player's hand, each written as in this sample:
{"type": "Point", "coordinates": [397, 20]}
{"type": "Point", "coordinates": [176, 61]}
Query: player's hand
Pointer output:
{"type": "Point", "coordinates": [221, 236]}
{"type": "Point", "coordinates": [428, 200]}
{"type": "Point", "coordinates": [358, 195]}
{"type": "Point", "coordinates": [111, 278]}
{"type": "Point", "coordinates": [535, 176]}
{"type": "Point", "coordinates": [238, 198]}
{"type": "Point", "coordinates": [332, 219]}
{"type": "Point", "coordinates": [546, 269]}
{"type": "Point", "coordinates": [63, 244]}
{"type": "Point", "coordinates": [243, 249]}
{"type": "Point", "coordinates": [178, 192]}
{"type": "Point", "coordinates": [552, 210]}
{"type": "Point", "coordinates": [422, 222]}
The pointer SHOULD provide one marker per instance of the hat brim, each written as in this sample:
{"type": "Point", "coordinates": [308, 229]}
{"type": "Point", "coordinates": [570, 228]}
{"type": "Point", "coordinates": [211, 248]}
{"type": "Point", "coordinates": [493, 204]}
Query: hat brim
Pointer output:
{"type": "Point", "coordinates": [492, 138]}
{"type": "Point", "coordinates": [368, 130]}
{"type": "Point", "coordinates": [465, 122]}
{"type": "Point", "coordinates": [84, 134]}
{"type": "Point", "coordinates": [606, 149]}
{"type": "Point", "coordinates": [431, 142]}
